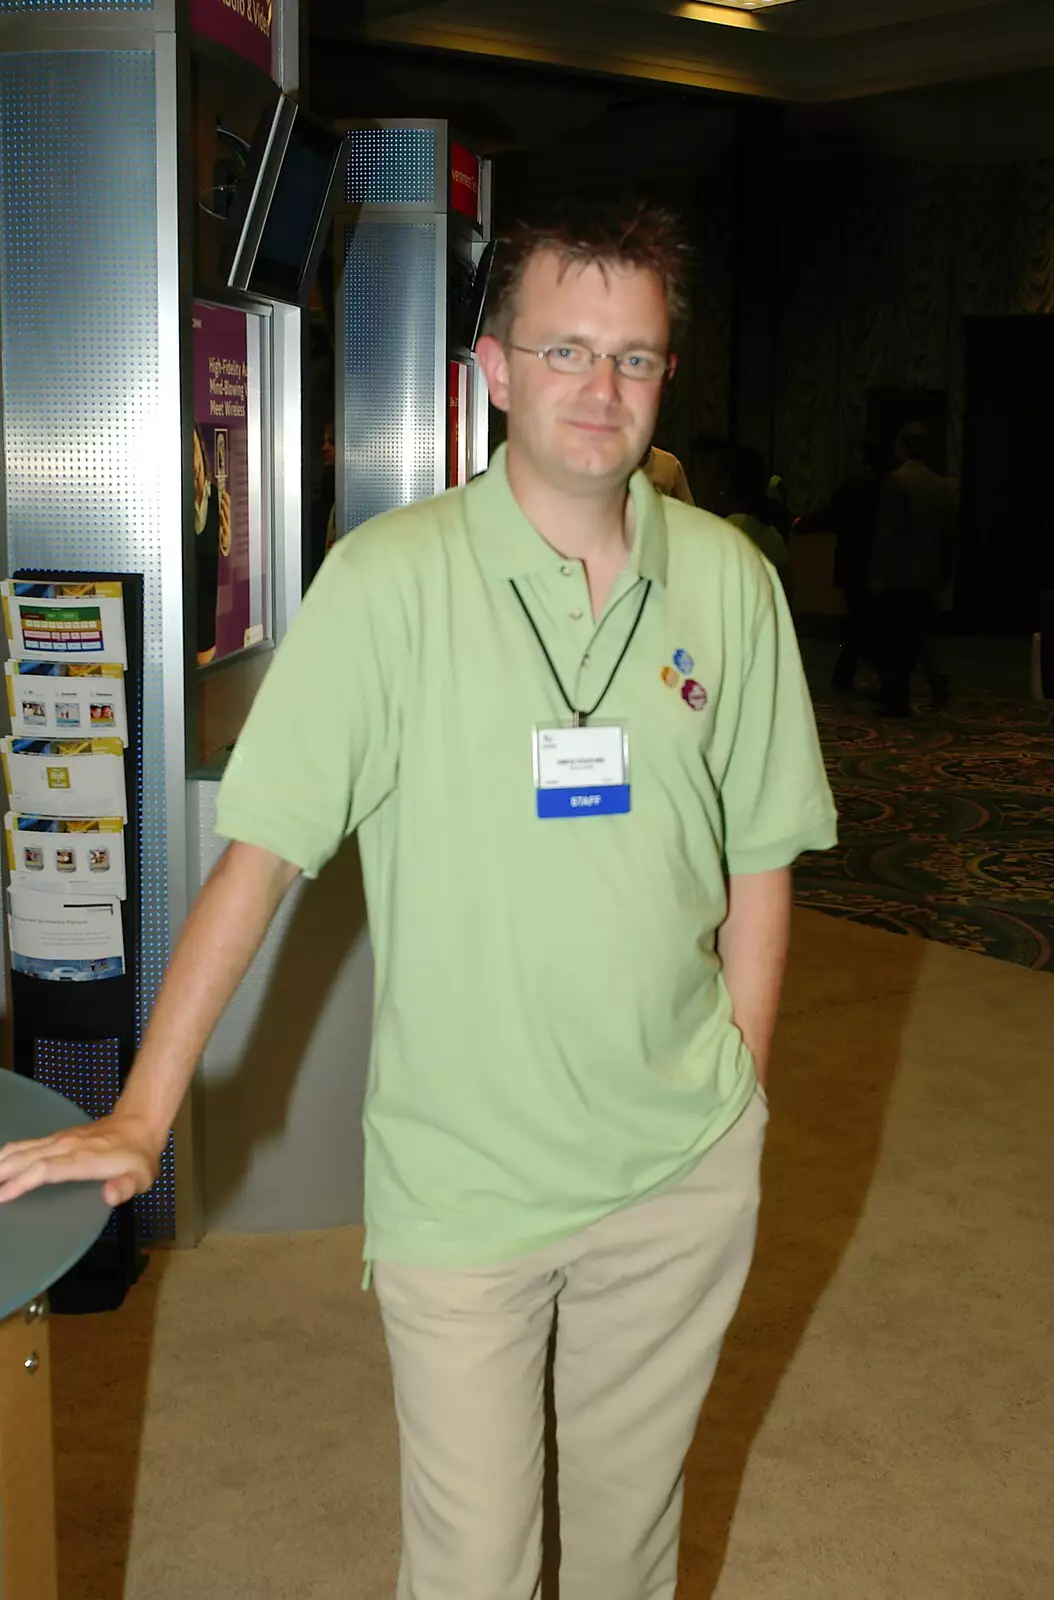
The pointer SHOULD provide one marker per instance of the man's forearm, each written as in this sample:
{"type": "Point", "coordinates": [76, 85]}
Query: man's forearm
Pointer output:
{"type": "Point", "coordinates": [752, 943]}
{"type": "Point", "coordinates": [121, 1151]}
{"type": "Point", "coordinates": [224, 930]}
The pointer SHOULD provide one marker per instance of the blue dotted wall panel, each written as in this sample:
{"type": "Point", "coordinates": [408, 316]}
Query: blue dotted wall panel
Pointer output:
{"type": "Point", "coordinates": [389, 365]}
{"type": "Point", "coordinates": [79, 318]}
{"type": "Point", "coordinates": [392, 167]}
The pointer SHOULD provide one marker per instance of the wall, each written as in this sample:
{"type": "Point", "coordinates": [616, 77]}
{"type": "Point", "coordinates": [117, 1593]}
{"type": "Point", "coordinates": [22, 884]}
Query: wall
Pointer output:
{"type": "Point", "coordinates": [554, 134]}
{"type": "Point", "coordinates": [884, 255]}
{"type": "Point", "coordinates": [675, 151]}
{"type": "Point", "coordinates": [280, 1092]}
{"type": "Point", "coordinates": [902, 214]}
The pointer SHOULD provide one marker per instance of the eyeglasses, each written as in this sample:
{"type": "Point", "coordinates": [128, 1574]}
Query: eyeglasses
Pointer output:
{"type": "Point", "coordinates": [574, 360]}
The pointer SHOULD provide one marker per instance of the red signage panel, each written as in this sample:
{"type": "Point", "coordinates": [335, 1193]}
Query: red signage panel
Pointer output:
{"type": "Point", "coordinates": [458, 426]}
{"type": "Point", "coordinates": [244, 26]}
{"type": "Point", "coordinates": [465, 182]}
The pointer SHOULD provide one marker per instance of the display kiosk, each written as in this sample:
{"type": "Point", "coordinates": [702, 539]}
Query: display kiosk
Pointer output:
{"type": "Point", "coordinates": [413, 249]}
{"type": "Point", "coordinates": [105, 195]}
{"type": "Point", "coordinates": [156, 168]}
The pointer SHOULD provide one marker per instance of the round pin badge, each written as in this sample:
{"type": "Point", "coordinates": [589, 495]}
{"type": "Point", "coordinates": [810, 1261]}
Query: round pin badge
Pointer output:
{"type": "Point", "coordinates": [693, 694]}
{"type": "Point", "coordinates": [683, 661]}
{"type": "Point", "coordinates": [670, 678]}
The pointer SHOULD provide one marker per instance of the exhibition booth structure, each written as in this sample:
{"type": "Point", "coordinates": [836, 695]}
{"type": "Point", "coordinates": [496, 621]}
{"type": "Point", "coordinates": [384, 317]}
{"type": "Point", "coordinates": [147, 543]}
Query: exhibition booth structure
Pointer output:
{"type": "Point", "coordinates": [284, 1076]}
{"type": "Point", "coordinates": [165, 203]}
{"type": "Point", "coordinates": [413, 244]}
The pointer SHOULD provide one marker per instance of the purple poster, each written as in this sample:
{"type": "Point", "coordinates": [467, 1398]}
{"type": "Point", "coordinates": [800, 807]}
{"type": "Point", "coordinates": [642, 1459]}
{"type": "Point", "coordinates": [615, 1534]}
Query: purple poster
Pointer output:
{"type": "Point", "coordinates": [230, 583]}
{"type": "Point", "coordinates": [244, 26]}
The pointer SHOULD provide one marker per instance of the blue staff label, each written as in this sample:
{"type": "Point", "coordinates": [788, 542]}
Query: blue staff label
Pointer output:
{"type": "Point", "coordinates": [581, 772]}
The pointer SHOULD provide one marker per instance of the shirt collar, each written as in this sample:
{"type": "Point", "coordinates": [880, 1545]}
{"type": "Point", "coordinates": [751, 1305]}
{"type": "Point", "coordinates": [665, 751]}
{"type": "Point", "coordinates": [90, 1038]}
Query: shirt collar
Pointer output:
{"type": "Point", "coordinates": [508, 543]}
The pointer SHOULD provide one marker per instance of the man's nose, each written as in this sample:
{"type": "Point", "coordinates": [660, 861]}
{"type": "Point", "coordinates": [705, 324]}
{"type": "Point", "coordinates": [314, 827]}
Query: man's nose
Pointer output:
{"type": "Point", "coordinates": [603, 379]}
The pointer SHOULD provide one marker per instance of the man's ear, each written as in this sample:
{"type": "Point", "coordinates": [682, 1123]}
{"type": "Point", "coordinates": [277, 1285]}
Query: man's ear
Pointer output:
{"type": "Point", "coordinates": [490, 353]}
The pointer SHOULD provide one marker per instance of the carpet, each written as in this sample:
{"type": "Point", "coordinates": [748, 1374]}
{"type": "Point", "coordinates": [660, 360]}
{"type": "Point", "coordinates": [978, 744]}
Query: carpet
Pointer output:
{"type": "Point", "coordinates": [946, 825]}
{"type": "Point", "coordinates": [880, 1426]}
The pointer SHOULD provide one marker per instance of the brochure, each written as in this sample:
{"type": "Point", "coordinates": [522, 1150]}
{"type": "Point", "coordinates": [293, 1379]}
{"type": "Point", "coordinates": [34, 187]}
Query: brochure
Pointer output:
{"type": "Point", "coordinates": [50, 699]}
{"type": "Point", "coordinates": [65, 777]}
{"type": "Point", "coordinates": [64, 621]}
{"type": "Point", "coordinates": [75, 939]}
{"type": "Point", "coordinates": [67, 857]}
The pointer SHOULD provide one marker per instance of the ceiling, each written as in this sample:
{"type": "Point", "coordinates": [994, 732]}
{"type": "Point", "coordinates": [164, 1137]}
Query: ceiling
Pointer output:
{"type": "Point", "coordinates": [804, 51]}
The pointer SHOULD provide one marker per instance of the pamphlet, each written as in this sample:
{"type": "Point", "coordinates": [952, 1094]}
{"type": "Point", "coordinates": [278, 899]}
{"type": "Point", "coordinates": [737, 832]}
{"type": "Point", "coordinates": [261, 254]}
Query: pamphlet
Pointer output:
{"type": "Point", "coordinates": [76, 938]}
{"type": "Point", "coordinates": [67, 857]}
{"type": "Point", "coordinates": [51, 699]}
{"type": "Point", "coordinates": [65, 777]}
{"type": "Point", "coordinates": [65, 621]}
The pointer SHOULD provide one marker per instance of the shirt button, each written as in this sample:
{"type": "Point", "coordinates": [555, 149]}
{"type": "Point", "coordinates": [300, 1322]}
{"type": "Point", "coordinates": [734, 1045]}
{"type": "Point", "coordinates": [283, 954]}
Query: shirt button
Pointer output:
{"type": "Point", "coordinates": [586, 660]}
{"type": "Point", "coordinates": [568, 570]}
{"type": "Point", "coordinates": [576, 614]}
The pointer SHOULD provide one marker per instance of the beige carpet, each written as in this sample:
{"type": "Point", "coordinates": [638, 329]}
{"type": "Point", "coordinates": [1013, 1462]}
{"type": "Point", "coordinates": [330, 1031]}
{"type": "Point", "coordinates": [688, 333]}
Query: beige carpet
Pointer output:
{"type": "Point", "coordinates": [881, 1427]}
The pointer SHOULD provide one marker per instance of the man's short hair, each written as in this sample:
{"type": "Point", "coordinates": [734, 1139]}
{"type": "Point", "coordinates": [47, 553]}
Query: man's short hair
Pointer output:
{"type": "Point", "coordinates": [639, 236]}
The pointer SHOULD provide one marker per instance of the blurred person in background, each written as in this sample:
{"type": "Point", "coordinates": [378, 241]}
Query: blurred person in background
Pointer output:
{"type": "Point", "coordinates": [665, 473]}
{"type": "Point", "coordinates": [851, 515]}
{"type": "Point", "coordinates": [912, 564]}
{"type": "Point", "coordinates": [734, 485]}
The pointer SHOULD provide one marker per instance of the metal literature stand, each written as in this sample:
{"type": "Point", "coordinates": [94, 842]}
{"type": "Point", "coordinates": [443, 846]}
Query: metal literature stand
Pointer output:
{"type": "Point", "coordinates": [80, 1039]}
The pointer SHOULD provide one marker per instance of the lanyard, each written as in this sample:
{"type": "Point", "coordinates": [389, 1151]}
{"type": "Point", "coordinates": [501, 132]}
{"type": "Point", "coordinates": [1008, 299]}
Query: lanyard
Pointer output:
{"type": "Point", "coordinates": [582, 717]}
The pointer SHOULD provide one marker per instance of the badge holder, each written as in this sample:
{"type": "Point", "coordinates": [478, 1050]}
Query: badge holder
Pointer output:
{"type": "Point", "coordinates": [581, 769]}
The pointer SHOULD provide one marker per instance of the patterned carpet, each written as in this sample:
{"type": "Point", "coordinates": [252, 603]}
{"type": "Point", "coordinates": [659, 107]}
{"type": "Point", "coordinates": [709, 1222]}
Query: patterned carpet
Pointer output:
{"type": "Point", "coordinates": [947, 825]}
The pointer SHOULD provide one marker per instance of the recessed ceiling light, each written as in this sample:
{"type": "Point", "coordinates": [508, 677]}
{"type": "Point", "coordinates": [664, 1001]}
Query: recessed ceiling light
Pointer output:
{"type": "Point", "coordinates": [747, 13]}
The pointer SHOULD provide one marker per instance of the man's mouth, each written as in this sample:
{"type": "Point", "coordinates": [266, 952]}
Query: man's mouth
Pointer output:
{"type": "Point", "coordinates": [605, 429]}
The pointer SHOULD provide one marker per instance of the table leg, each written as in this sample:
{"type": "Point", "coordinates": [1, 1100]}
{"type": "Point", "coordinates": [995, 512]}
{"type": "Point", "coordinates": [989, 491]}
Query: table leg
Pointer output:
{"type": "Point", "coordinates": [28, 1568]}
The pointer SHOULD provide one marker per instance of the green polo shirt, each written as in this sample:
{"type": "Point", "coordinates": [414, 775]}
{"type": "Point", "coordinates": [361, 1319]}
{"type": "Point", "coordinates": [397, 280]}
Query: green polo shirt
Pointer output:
{"type": "Point", "coordinates": [552, 1037]}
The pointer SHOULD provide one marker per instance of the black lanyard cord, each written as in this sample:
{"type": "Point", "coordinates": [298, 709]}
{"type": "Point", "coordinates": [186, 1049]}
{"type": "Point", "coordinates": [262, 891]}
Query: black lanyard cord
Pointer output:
{"type": "Point", "coordinates": [582, 717]}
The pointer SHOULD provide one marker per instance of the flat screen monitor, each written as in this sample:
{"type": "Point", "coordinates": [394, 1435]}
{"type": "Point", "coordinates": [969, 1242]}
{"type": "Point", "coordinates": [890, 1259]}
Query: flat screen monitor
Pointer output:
{"type": "Point", "coordinates": [286, 196]}
{"type": "Point", "coordinates": [468, 298]}
{"type": "Point", "coordinates": [233, 112]}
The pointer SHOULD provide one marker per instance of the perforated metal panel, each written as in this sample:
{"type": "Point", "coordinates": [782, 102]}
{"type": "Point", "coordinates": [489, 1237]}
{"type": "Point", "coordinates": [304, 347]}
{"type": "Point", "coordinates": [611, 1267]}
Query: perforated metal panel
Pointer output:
{"type": "Point", "coordinates": [392, 167]}
{"type": "Point", "coordinates": [78, 308]}
{"type": "Point", "coordinates": [390, 439]}
{"type": "Point", "coordinates": [88, 1074]}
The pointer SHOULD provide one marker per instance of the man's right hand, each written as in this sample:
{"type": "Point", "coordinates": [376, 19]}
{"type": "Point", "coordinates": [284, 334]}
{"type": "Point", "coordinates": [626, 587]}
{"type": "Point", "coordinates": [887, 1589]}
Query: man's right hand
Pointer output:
{"type": "Point", "coordinates": [119, 1151]}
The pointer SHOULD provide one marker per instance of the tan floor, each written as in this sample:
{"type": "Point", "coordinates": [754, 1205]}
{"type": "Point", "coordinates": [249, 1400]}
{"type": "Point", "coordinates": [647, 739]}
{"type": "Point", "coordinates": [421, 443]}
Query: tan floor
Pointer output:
{"type": "Point", "coordinates": [881, 1427]}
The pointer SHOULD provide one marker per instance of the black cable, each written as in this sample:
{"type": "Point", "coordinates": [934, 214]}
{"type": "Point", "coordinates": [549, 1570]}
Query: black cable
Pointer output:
{"type": "Point", "coordinates": [582, 717]}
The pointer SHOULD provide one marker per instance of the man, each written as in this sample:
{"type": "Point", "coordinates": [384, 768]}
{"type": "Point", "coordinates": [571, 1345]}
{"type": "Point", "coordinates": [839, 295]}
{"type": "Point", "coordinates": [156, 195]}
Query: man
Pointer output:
{"type": "Point", "coordinates": [567, 718]}
{"type": "Point", "coordinates": [746, 506]}
{"type": "Point", "coordinates": [851, 515]}
{"type": "Point", "coordinates": [732, 478]}
{"type": "Point", "coordinates": [911, 567]}
{"type": "Point", "coordinates": [665, 473]}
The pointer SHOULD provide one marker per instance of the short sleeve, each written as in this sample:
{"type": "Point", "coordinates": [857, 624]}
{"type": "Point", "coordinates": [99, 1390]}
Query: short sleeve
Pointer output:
{"type": "Point", "coordinates": [774, 791]}
{"type": "Point", "coordinates": [318, 752]}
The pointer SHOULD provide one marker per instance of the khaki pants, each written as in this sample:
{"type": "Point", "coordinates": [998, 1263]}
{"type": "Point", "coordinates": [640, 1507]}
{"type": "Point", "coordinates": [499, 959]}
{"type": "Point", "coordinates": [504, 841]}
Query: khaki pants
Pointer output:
{"type": "Point", "coordinates": [642, 1300]}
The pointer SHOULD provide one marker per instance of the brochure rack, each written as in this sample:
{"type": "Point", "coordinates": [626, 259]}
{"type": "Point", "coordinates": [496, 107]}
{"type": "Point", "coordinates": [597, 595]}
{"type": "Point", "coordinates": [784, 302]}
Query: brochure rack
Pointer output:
{"type": "Point", "coordinates": [80, 1038]}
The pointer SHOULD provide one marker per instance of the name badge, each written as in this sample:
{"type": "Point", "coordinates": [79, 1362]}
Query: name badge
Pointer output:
{"type": "Point", "coordinates": [581, 772]}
